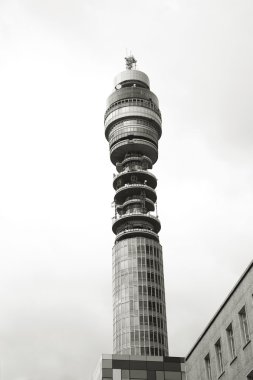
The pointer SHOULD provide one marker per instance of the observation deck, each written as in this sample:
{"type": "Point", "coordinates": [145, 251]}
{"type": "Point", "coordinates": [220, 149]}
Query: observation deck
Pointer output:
{"type": "Point", "coordinates": [135, 200]}
{"type": "Point", "coordinates": [137, 219]}
{"type": "Point", "coordinates": [132, 118]}
{"type": "Point", "coordinates": [136, 232]}
{"type": "Point", "coordinates": [125, 177]}
{"type": "Point", "coordinates": [132, 92]}
{"type": "Point", "coordinates": [130, 190]}
{"type": "Point", "coordinates": [133, 127]}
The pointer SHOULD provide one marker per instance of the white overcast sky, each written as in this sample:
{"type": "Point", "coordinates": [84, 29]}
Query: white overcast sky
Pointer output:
{"type": "Point", "coordinates": [57, 63]}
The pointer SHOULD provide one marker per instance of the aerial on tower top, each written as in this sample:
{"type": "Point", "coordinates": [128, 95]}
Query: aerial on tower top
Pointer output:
{"type": "Point", "coordinates": [130, 62]}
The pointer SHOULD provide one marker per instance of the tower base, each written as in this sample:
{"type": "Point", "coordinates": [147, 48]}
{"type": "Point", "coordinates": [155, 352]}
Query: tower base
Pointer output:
{"type": "Point", "coordinates": [128, 367]}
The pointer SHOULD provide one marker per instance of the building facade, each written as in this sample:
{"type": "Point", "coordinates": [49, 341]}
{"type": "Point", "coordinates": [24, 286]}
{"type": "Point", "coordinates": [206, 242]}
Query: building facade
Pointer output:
{"type": "Point", "coordinates": [133, 128]}
{"type": "Point", "coordinates": [225, 349]}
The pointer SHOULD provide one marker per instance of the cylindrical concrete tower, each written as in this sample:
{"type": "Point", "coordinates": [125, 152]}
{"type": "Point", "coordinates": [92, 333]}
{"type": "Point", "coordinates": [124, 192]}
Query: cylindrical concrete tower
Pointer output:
{"type": "Point", "coordinates": [133, 128]}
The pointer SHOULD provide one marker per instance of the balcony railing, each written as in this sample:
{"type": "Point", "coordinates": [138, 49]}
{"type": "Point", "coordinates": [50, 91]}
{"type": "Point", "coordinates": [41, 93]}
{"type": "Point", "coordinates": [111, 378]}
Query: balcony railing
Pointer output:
{"type": "Point", "coordinates": [135, 172]}
{"type": "Point", "coordinates": [137, 231]}
{"type": "Point", "coordinates": [134, 185]}
{"type": "Point", "coordinates": [129, 214]}
{"type": "Point", "coordinates": [132, 102]}
{"type": "Point", "coordinates": [144, 201]}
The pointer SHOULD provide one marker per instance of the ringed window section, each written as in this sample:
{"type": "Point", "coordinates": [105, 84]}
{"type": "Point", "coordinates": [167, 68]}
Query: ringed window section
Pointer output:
{"type": "Point", "coordinates": [134, 111]}
{"type": "Point", "coordinates": [138, 303]}
{"type": "Point", "coordinates": [134, 122]}
{"type": "Point", "coordinates": [123, 132]}
{"type": "Point", "coordinates": [132, 92]}
{"type": "Point", "coordinates": [134, 102]}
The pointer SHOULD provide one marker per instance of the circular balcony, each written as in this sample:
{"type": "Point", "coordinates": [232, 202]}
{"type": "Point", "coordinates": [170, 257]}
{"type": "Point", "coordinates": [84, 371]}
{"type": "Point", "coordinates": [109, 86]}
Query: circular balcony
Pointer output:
{"type": "Point", "coordinates": [131, 92]}
{"type": "Point", "coordinates": [132, 102]}
{"type": "Point", "coordinates": [134, 189]}
{"type": "Point", "coordinates": [137, 219]}
{"type": "Point", "coordinates": [136, 232]}
{"type": "Point", "coordinates": [137, 157]}
{"type": "Point", "coordinates": [135, 145]}
{"type": "Point", "coordinates": [131, 76]}
{"type": "Point", "coordinates": [147, 203]}
{"type": "Point", "coordinates": [142, 175]}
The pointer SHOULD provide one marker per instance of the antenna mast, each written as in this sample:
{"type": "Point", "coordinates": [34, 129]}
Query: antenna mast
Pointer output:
{"type": "Point", "coordinates": [130, 62]}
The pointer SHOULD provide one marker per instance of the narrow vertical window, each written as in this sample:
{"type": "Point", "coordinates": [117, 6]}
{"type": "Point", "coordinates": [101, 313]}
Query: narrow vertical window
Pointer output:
{"type": "Point", "coordinates": [219, 356]}
{"type": "Point", "coordinates": [244, 325]}
{"type": "Point", "coordinates": [208, 367]}
{"type": "Point", "coordinates": [231, 341]}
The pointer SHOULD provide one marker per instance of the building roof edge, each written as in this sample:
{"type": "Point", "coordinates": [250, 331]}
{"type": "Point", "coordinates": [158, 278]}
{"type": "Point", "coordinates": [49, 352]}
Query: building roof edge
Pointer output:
{"type": "Point", "coordinates": [220, 308]}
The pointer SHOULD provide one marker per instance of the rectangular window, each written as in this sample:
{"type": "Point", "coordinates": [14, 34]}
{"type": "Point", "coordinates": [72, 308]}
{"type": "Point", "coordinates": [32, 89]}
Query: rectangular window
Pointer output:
{"type": "Point", "coordinates": [244, 325]}
{"type": "Point", "coordinates": [231, 341]}
{"type": "Point", "coordinates": [219, 356]}
{"type": "Point", "coordinates": [208, 367]}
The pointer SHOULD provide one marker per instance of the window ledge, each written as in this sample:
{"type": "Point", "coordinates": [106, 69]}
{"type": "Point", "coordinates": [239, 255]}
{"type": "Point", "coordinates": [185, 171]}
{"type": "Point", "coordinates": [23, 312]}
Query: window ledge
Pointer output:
{"type": "Point", "coordinates": [222, 373]}
{"type": "Point", "coordinates": [232, 361]}
{"type": "Point", "coordinates": [246, 344]}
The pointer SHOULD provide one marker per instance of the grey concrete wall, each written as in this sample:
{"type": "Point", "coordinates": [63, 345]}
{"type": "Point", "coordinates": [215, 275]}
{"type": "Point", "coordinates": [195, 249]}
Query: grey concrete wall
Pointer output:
{"type": "Point", "coordinates": [242, 364]}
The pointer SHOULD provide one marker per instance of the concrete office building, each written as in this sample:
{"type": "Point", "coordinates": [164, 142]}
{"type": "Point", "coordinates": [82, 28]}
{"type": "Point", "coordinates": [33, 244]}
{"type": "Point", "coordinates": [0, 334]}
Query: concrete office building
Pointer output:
{"type": "Point", "coordinates": [225, 349]}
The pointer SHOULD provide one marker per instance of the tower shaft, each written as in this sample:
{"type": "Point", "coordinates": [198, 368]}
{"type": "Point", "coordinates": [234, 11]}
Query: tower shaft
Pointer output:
{"type": "Point", "coordinates": [133, 128]}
